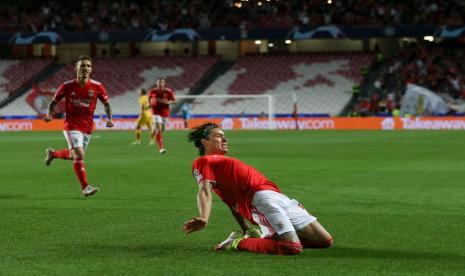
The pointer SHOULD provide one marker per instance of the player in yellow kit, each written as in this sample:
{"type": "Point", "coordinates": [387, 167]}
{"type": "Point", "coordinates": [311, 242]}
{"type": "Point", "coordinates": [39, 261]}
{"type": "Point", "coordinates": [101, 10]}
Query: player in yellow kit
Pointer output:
{"type": "Point", "coordinates": [145, 117]}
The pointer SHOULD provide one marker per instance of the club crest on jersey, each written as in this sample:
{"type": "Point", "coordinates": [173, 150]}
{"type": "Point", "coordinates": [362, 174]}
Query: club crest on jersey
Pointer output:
{"type": "Point", "coordinates": [91, 93]}
{"type": "Point", "coordinates": [73, 93]}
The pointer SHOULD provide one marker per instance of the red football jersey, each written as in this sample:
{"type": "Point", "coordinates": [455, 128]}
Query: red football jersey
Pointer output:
{"type": "Point", "coordinates": [235, 181]}
{"type": "Point", "coordinates": [80, 103]}
{"type": "Point", "coordinates": [160, 108]}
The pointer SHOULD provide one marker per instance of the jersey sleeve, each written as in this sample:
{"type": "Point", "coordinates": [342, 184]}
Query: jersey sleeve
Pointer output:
{"type": "Point", "coordinates": [171, 96]}
{"type": "Point", "coordinates": [103, 96]}
{"type": "Point", "coordinates": [60, 93]}
{"type": "Point", "coordinates": [202, 171]}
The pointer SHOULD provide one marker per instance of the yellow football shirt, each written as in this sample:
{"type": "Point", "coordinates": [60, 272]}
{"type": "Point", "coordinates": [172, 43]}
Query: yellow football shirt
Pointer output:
{"type": "Point", "coordinates": [144, 103]}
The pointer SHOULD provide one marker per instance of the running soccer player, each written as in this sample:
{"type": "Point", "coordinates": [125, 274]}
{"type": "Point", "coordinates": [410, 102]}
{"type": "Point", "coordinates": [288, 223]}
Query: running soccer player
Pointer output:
{"type": "Point", "coordinates": [160, 99]}
{"type": "Point", "coordinates": [285, 225]}
{"type": "Point", "coordinates": [81, 96]}
{"type": "Point", "coordinates": [145, 117]}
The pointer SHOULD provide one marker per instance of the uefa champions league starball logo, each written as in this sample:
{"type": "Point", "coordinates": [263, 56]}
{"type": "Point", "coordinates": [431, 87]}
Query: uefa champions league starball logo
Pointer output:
{"type": "Point", "coordinates": [389, 31]}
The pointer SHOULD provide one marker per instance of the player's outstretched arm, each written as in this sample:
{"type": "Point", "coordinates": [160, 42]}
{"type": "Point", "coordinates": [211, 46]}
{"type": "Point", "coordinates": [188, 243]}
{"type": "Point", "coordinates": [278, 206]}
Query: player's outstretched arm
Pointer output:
{"type": "Point", "coordinates": [51, 107]}
{"type": "Point", "coordinates": [109, 115]}
{"type": "Point", "coordinates": [204, 200]}
{"type": "Point", "coordinates": [204, 203]}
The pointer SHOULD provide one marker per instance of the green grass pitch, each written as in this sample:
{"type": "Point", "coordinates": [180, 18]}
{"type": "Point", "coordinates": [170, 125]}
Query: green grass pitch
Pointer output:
{"type": "Point", "coordinates": [393, 201]}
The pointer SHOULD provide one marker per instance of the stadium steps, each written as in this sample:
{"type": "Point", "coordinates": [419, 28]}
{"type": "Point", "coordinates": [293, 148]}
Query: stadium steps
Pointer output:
{"type": "Point", "coordinates": [214, 73]}
{"type": "Point", "coordinates": [50, 71]}
{"type": "Point", "coordinates": [181, 73]}
{"type": "Point", "coordinates": [322, 83]}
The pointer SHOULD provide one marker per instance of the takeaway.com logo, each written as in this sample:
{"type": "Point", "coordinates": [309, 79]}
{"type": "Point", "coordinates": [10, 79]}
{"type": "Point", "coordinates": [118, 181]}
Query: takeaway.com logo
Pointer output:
{"type": "Point", "coordinates": [15, 126]}
{"type": "Point", "coordinates": [255, 123]}
{"type": "Point", "coordinates": [418, 123]}
{"type": "Point", "coordinates": [388, 124]}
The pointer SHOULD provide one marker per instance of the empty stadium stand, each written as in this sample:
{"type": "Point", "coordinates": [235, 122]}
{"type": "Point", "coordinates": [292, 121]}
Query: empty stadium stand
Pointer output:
{"type": "Point", "coordinates": [124, 76]}
{"type": "Point", "coordinates": [322, 82]}
{"type": "Point", "coordinates": [15, 74]}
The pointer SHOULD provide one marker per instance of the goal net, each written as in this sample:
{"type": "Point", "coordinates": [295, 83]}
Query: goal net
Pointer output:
{"type": "Point", "coordinates": [242, 107]}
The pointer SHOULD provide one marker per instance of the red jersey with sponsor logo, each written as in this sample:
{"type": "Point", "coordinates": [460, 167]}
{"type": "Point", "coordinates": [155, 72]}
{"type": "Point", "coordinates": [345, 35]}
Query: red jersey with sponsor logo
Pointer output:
{"type": "Point", "coordinates": [234, 181]}
{"type": "Point", "coordinates": [80, 103]}
{"type": "Point", "coordinates": [159, 108]}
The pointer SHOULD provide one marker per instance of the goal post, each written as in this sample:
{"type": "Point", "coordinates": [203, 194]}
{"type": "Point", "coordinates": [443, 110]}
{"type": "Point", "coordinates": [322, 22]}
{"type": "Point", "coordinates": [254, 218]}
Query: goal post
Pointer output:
{"type": "Point", "coordinates": [222, 106]}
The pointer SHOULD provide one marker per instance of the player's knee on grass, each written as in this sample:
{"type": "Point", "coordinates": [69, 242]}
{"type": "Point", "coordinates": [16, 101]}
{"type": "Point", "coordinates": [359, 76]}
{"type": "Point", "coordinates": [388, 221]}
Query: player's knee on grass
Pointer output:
{"type": "Point", "coordinates": [315, 235]}
{"type": "Point", "coordinates": [325, 244]}
{"type": "Point", "coordinates": [289, 248]}
{"type": "Point", "coordinates": [318, 243]}
{"type": "Point", "coordinates": [329, 242]}
{"type": "Point", "coordinates": [289, 244]}
{"type": "Point", "coordinates": [290, 237]}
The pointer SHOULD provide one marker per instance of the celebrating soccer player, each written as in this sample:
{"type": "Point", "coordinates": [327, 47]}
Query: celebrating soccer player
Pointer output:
{"type": "Point", "coordinates": [160, 99]}
{"type": "Point", "coordinates": [286, 226]}
{"type": "Point", "coordinates": [145, 117]}
{"type": "Point", "coordinates": [81, 100]}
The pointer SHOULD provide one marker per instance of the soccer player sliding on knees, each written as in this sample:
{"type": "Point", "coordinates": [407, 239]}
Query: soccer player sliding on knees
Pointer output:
{"type": "Point", "coordinates": [286, 227]}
